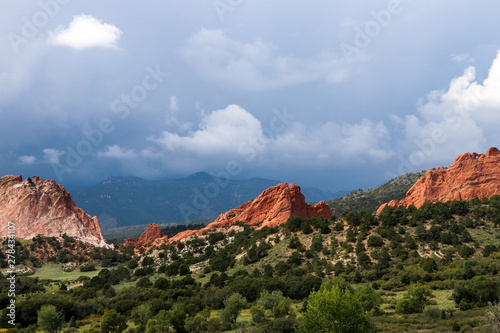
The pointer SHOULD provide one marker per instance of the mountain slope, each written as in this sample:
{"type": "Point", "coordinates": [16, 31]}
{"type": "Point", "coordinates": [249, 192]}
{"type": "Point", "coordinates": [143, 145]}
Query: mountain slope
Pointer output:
{"type": "Point", "coordinates": [127, 201]}
{"type": "Point", "coordinates": [371, 199]}
{"type": "Point", "coordinates": [317, 195]}
{"type": "Point", "coordinates": [135, 231]}
{"type": "Point", "coordinates": [124, 201]}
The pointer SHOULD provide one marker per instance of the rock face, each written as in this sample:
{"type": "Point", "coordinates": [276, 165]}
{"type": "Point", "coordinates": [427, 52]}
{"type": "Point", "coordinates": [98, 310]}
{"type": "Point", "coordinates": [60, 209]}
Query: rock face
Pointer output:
{"type": "Point", "coordinates": [271, 208]}
{"type": "Point", "coordinates": [471, 176]}
{"type": "Point", "coordinates": [151, 234]}
{"type": "Point", "coordinates": [43, 207]}
{"type": "Point", "coordinates": [131, 242]}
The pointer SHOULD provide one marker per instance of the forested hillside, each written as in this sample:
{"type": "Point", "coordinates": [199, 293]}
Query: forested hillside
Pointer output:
{"type": "Point", "coordinates": [432, 269]}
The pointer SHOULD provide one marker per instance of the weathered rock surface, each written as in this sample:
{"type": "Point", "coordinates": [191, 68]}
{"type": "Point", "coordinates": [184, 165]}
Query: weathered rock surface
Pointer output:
{"type": "Point", "coordinates": [472, 175]}
{"type": "Point", "coordinates": [152, 233]}
{"type": "Point", "coordinates": [131, 242]}
{"type": "Point", "coordinates": [271, 208]}
{"type": "Point", "coordinates": [43, 207]}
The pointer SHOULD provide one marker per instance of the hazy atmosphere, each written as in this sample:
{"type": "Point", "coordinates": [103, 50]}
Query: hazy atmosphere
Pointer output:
{"type": "Point", "coordinates": [327, 94]}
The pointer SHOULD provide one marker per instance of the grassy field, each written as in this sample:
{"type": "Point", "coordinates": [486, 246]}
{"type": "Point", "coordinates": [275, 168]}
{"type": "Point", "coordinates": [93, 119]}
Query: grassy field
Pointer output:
{"type": "Point", "coordinates": [125, 285]}
{"type": "Point", "coordinates": [55, 272]}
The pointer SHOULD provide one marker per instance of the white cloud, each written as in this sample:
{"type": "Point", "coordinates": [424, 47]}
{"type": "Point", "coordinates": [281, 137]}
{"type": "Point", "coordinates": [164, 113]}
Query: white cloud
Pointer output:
{"type": "Point", "coordinates": [235, 133]}
{"type": "Point", "coordinates": [335, 143]}
{"type": "Point", "coordinates": [463, 118]}
{"type": "Point", "coordinates": [85, 31]}
{"type": "Point", "coordinates": [116, 151]}
{"type": "Point", "coordinates": [219, 132]}
{"type": "Point", "coordinates": [52, 155]}
{"type": "Point", "coordinates": [27, 159]}
{"type": "Point", "coordinates": [255, 65]}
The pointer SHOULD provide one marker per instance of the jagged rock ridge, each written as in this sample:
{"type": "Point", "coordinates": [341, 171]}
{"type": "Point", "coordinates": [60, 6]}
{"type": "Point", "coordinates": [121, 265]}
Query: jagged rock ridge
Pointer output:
{"type": "Point", "coordinates": [470, 176]}
{"type": "Point", "coordinates": [43, 207]}
{"type": "Point", "coordinates": [271, 208]}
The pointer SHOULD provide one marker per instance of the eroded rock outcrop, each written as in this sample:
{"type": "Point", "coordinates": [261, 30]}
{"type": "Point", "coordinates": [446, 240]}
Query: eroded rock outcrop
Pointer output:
{"type": "Point", "coordinates": [152, 233]}
{"type": "Point", "coordinates": [472, 175]}
{"type": "Point", "coordinates": [271, 208]}
{"type": "Point", "coordinates": [131, 242]}
{"type": "Point", "coordinates": [43, 207]}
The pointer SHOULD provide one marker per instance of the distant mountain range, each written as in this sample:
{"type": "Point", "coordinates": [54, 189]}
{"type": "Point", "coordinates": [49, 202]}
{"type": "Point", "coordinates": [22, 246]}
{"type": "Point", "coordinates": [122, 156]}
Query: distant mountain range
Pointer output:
{"type": "Point", "coordinates": [126, 201]}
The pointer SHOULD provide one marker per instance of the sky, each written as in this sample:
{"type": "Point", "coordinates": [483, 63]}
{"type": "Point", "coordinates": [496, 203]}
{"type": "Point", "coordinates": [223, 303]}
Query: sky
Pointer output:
{"type": "Point", "coordinates": [336, 95]}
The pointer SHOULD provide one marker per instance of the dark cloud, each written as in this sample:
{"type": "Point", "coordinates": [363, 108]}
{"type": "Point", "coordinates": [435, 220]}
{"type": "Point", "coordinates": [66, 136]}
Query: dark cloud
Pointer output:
{"type": "Point", "coordinates": [162, 89]}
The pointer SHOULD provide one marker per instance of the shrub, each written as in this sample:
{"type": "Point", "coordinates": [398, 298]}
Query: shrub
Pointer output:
{"type": "Point", "coordinates": [334, 310]}
{"type": "Point", "coordinates": [428, 264]}
{"type": "Point", "coordinates": [258, 314]}
{"type": "Point", "coordinates": [432, 313]}
{"type": "Point", "coordinates": [489, 249]}
{"type": "Point", "coordinates": [144, 283]}
{"type": "Point", "coordinates": [476, 292]}
{"type": "Point", "coordinates": [147, 261]}
{"type": "Point", "coordinates": [416, 298]}
{"type": "Point", "coordinates": [276, 302]}
{"type": "Point", "coordinates": [87, 268]}
{"type": "Point", "coordinates": [339, 226]}
{"type": "Point", "coordinates": [215, 237]}
{"type": "Point", "coordinates": [232, 307]}
{"type": "Point", "coordinates": [317, 243]}
{"type": "Point", "coordinates": [49, 319]}
{"type": "Point", "coordinates": [375, 241]}
{"type": "Point", "coordinates": [280, 325]}
{"type": "Point", "coordinates": [368, 298]}
{"type": "Point", "coordinates": [305, 226]}
{"type": "Point", "coordinates": [294, 242]}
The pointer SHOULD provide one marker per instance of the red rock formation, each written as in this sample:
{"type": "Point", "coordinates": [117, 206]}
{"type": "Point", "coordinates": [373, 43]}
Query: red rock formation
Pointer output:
{"type": "Point", "coordinates": [471, 176]}
{"type": "Point", "coordinates": [152, 235]}
{"type": "Point", "coordinates": [271, 208]}
{"type": "Point", "coordinates": [131, 242]}
{"type": "Point", "coordinates": [185, 234]}
{"type": "Point", "coordinates": [152, 232]}
{"type": "Point", "coordinates": [43, 207]}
